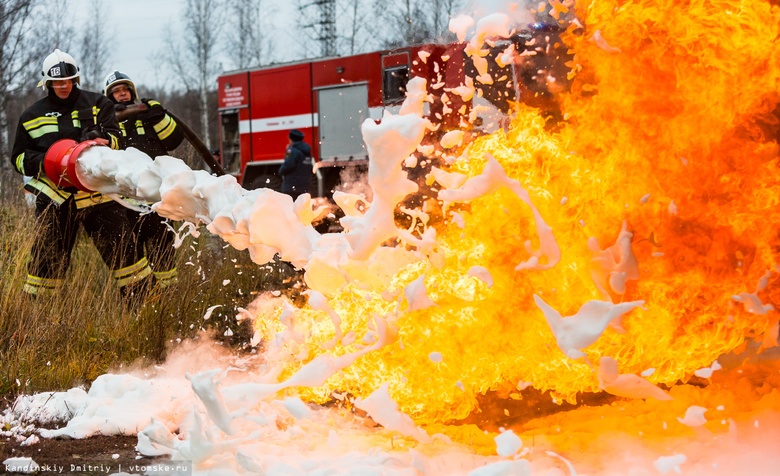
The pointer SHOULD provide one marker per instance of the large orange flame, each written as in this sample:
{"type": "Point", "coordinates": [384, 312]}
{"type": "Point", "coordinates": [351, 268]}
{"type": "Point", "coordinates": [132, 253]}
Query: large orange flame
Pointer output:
{"type": "Point", "coordinates": [668, 147]}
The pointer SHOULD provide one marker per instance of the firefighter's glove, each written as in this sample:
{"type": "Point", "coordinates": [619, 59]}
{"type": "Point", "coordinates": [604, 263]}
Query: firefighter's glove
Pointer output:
{"type": "Point", "coordinates": [95, 136]}
{"type": "Point", "coordinates": [155, 112]}
{"type": "Point", "coordinates": [120, 107]}
{"type": "Point", "coordinates": [91, 133]}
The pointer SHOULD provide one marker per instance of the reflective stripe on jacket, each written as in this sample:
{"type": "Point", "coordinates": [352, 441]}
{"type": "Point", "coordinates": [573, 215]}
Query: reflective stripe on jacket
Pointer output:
{"type": "Point", "coordinates": [51, 119]}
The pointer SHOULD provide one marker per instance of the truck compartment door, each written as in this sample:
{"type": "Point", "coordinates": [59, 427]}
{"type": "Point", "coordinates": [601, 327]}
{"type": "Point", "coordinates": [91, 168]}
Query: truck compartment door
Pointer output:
{"type": "Point", "coordinates": [341, 112]}
{"type": "Point", "coordinates": [231, 141]}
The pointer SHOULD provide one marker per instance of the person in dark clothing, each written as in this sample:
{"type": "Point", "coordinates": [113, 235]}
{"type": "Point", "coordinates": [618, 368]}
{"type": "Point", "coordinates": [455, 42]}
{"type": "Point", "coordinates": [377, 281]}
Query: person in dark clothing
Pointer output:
{"type": "Point", "coordinates": [297, 167]}
{"type": "Point", "coordinates": [154, 133]}
{"type": "Point", "coordinates": [68, 112]}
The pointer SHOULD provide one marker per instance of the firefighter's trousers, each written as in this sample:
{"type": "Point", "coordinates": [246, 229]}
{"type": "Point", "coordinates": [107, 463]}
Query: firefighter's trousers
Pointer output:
{"type": "Point", "coordinates": [156, 238]}
{"type": "Point", "coordinates": [57, 228]}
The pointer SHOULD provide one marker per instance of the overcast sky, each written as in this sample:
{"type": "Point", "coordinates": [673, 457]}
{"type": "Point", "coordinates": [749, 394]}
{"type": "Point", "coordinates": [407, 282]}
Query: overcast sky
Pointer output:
{"type": "Point", "coordinates": [140, 30]}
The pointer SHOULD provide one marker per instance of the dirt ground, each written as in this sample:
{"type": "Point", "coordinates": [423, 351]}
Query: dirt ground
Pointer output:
{"type": "Point", "coordinates": [91, 456]}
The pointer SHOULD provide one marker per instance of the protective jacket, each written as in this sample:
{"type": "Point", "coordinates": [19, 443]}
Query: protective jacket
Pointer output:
{"type": "Point", "coordinates": [296, 169]}
{"type": "Point", "coordinates": [51, 119]}
{"type": "Point", "coordinates": [60, 212]}
{"type": "Point", "coordinates": [154, 138]}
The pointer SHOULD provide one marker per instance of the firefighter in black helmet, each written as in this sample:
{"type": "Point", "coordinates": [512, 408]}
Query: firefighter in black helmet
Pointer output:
{"type": "Point", "coordinates": [67, 112]}
{"type": "Point", "coordinates": [296, 170]}
{"type": "Point", "coordinates": [154, 133]}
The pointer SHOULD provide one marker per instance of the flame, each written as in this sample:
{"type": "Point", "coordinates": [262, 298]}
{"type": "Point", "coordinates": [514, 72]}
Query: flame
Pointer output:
{"type": "Point", "coordinates": [661, 185]}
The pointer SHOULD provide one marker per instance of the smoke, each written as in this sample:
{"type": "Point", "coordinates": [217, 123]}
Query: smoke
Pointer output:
{"type": "Point", "coordinates": [354, 180]}
{"type": "Point", "coordinates": [520, 13]}
{"type": "Point", "coordinates": [188, 356]}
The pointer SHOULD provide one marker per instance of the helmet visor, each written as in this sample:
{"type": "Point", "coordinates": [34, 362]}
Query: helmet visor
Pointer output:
{"type": "Point", "coordinates": [63, 70]}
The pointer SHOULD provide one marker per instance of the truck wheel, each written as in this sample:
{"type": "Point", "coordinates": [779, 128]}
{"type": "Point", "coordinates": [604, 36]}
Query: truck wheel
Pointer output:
{"type": "Point", "coordinates": [272, 181]}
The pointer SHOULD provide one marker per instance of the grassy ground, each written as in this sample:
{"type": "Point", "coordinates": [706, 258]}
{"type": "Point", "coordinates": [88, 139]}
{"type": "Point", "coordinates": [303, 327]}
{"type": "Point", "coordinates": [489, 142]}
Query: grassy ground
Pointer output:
{"type": "Point", "coordinates": [83, 330]}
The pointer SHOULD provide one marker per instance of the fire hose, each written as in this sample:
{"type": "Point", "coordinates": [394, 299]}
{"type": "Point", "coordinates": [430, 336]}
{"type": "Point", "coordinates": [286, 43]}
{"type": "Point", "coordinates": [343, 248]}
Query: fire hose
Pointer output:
{"type": "Point", "coordinates": [136, 109]}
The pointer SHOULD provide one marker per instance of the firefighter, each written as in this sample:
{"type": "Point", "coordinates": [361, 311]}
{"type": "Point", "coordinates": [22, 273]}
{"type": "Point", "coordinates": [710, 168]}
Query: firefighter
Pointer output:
{"type": "Point", "coordinates": [154, 133]}
{"type": "Point", "coordinates": [296, 170]}
{"type": "Point", "coordinates": [68, 112]}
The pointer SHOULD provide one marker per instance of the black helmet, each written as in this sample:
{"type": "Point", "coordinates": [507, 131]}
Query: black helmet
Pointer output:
{"type": "Point", "coordinates": [115, 78]}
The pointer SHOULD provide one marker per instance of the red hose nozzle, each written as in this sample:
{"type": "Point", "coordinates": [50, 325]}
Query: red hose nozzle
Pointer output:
{"type": "Point", "coordinates": [59, 163]}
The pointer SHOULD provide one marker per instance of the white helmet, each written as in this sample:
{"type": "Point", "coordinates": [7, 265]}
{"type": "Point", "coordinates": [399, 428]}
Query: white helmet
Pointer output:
{"type": "Point", "coordinates": [58, 66]}
{"type": "Point", "coordinates": [118, 77]}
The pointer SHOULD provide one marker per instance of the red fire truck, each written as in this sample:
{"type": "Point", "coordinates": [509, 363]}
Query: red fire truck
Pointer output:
{"type": "Point", "coordinates": [328, 99]}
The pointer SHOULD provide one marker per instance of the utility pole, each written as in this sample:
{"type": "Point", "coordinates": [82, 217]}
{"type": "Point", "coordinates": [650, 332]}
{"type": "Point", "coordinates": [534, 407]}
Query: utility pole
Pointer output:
{"type": "Point", "coordinates": [327, 26]}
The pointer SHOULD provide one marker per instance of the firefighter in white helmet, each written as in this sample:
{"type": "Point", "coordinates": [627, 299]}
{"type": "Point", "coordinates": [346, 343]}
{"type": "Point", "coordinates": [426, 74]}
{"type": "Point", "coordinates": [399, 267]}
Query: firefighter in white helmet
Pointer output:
{"type": "Point", "coordinates": [68, 112]}
{"type": "Point", "coordinates": [154, 133]}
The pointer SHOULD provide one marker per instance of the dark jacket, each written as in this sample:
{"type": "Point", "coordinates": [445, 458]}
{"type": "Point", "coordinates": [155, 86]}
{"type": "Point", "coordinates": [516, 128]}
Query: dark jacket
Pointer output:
{"type": "Point", "coordinates": [51, 119]}
{"type": "Point", "coordinates": [296, 170]}
{"type": "Point", "coordinates": [152, 137]}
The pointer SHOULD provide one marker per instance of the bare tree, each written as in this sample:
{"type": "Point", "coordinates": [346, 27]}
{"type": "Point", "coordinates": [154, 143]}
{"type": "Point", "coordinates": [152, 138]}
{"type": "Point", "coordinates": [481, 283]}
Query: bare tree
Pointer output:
{"type": "Point", "coordinates": [14, 23]}
{"type": "Point", "coordinates": [317, 22]}
{"type": "Point", "coordinates": [94, 52]}
{"type": "Point", "coordinates": [248, 41]}
{"type": "Point", "coordinates": [407, 22]}
{"type": "Point", "coordinates": [417, 21]}
{"type": "Point", "coordinates": [440, 14]}
{"type": "Point", "coordinates": [338, 27]}
{"type": "Point", "coordinates": [359, 27]}
{"type": "Point", "coordinates": [25, 39]}
{"type": "Point", "coordinates": [52, 25]}
{"type": "Point", "coordinates": [192, 55]}
{"type": "Point", "coordinates": [13, 20]}
{"type": "Point", "coordinates": [29, 31]}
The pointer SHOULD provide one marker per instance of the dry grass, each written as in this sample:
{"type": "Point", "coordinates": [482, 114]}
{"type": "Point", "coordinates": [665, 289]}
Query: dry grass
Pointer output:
{"type": "Point", "coordinates": [83, 330]}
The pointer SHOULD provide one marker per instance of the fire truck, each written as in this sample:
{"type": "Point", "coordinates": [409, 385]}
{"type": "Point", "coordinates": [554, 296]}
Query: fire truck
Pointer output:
{"type": "Point", "coordinates": [329, 98]}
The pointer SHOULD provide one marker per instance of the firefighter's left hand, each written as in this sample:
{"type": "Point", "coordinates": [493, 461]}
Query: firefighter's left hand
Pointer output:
{"type": "Point", "coordinates": [92, 134]}
{"type": "Point", "coordinates": [155, 112]}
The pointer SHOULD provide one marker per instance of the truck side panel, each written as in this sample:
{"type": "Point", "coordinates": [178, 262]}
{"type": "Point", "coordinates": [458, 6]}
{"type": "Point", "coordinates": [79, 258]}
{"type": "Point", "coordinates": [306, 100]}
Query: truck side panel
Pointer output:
{"type": "Point", "coordinates": [281, 100]}
{"type": "Point", "coordinates": [328, 100]}
{"type": "Point", "coordinates": [342, 111]}
{"type": "Point", "coordinates": [364, 68]}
